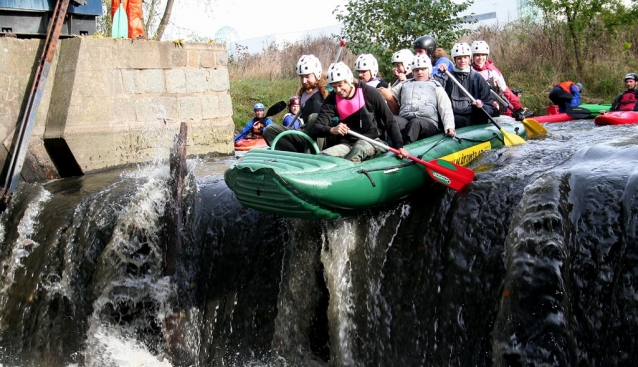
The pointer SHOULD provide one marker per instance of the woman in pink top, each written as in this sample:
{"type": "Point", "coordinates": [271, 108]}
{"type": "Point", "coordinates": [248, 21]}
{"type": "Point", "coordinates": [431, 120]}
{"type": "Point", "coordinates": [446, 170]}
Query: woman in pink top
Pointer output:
{"type": "Point", "coordinates": [485, 67]}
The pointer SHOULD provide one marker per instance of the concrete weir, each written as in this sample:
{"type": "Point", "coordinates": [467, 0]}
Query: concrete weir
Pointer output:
{"type": "Point", "coordinates": [111, 102]}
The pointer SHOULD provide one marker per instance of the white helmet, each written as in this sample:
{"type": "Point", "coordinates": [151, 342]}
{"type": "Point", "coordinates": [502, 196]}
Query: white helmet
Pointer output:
{"type": "Point", "coordinates": [338, 72]}
{"type": "Point", "coordinates": [480, 48]}
{"type": "Point", "coordinates": [309, 64]}
{"type": "Point", "coordinates": [367, 62]}
{"type": "Point", "coordinates": [422, 62]}
{"type": "Point", "coordinates": [405, 57]}
{"type": "Point", "coordinates": [461, 49]}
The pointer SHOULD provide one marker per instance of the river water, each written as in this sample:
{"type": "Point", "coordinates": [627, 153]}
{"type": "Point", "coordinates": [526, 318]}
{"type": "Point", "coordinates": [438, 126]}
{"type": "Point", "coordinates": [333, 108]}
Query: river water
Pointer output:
{"type": "Point", "coordinates": [536, 263]}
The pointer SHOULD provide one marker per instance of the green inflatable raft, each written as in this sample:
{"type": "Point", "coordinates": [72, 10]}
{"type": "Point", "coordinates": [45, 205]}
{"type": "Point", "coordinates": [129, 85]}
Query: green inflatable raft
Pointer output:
{"type": "Point", "coordinates": [310, 186]}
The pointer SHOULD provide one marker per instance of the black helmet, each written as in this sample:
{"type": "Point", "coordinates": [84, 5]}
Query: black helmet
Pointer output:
{"type": "Point", "coordinates": [425, 42]}
{"type": "Point", "coordinates": [631, 76]}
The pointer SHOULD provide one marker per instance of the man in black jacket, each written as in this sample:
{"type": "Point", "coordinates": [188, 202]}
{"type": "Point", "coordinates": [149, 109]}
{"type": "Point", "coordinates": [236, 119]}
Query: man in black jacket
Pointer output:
{"type": "Point", "coordinates": [466, 112]}
{"type": "Point", "coordinates": [360, 108]}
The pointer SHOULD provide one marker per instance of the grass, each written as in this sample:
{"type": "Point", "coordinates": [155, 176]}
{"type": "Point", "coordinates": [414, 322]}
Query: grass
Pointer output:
{"type": "Point", "coordinates": [248, 91]}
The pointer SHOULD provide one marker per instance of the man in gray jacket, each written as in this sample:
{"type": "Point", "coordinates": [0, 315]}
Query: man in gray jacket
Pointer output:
{"type": "Point", "coordinates": [421, 103]}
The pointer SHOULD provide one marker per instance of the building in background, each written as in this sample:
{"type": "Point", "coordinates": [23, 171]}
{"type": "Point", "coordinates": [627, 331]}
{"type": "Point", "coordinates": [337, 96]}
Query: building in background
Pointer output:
{"type": "Point", "coordinates": [498, 12]}
{"type": "Point", "coordinates": [30, 18]}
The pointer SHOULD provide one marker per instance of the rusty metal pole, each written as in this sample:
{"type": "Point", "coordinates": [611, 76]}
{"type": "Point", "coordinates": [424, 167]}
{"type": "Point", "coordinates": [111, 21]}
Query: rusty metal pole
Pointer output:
{"type": "Point", "coordinates": [20, 145]}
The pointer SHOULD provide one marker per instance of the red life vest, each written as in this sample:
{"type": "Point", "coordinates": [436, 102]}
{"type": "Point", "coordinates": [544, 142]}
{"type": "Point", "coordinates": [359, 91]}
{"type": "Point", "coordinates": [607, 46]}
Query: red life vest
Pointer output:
{"type": "Point", "coordinates": [627, 101]}
{"type": "Point", "coordinates": [566, 86]}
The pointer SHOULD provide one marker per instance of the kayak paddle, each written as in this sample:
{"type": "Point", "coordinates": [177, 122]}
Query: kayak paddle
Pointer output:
{"type": "Point", "coordinates": [119, 28]}
{"type": "Point", "coordinates": [275, 109]}
{"type": "Point", "coordinates": [578, 113]}
{"type": "Point", "coordinates": [447, 173]}
{"type": "Point", "coordinates": [509, 138]}
{"type": "Point", "coordinates": [533, 127]}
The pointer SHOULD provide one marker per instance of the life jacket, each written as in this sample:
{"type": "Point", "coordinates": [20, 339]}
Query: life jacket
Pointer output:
{"type": "Point", "coordinates": [628, 101]}
{"type": "Point", "coordinates": [566, 86]}
{"type": "Point", "coordinates": [258, 127]}
{"type": "Point", "coordinates": [418, 99]}
{"type": "Point", "coordinates": [346, 107]}
{"type": "Point", "coordinates": [354, 113]}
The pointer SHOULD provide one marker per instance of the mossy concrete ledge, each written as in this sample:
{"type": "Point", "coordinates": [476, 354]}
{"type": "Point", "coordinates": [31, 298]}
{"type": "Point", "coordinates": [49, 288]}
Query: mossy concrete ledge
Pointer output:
{"type": "Point", "coordinates": [114, 102]}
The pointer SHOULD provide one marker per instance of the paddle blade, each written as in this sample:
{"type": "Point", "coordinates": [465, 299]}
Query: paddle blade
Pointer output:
{"type": "Point", "coordinates": [276, 108]}
{"type": "Point", "coordinates": [449, 174]}
{"type": "Point", "coordinates": [578, 113]}
{"type": "Point", "coordinates": [512, 139]}
{"type": "Point", "coordinates": [534, 128]}
{"type": "Point", "coordinates": [119, 28]}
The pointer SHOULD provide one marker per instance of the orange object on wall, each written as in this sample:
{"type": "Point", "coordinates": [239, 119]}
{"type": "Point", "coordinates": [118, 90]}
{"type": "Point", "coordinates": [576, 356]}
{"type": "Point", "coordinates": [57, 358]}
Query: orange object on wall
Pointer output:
{"type": "Point", "coordinates": [133, 10]}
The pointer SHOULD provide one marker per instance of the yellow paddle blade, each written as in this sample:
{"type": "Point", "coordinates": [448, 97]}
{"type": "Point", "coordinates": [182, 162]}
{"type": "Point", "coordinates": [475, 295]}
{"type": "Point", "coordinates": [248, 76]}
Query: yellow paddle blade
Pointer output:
{"type": "Point", "coordinates": [534, 128]}
{"type": "Point", "coordinates": [512, 139]}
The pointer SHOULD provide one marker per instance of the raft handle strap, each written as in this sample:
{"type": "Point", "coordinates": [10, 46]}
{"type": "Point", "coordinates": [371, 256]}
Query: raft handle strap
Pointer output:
{"type": "Point", "coordinates": [368, 176]}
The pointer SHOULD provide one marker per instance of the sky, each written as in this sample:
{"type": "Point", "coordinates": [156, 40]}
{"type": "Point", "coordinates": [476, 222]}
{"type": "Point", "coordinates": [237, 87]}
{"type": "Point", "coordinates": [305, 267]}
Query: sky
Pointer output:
{"type": "Point", "coordinates": [250, 18]}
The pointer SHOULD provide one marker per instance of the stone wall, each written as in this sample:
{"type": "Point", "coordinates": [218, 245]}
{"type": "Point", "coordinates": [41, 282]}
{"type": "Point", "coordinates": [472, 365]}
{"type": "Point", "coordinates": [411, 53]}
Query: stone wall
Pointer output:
{"type": "Point", "coordinates": [115, 102]}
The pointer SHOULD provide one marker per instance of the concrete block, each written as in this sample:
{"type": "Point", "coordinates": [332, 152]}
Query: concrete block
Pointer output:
{"type": "Point", "coordinates": [219, 80]}
{"type": "Point", "coordinates": [115, 82]}
{"type": "Point", "coordinates": [150, 81]}
{"type": "Point", "coordinates": [87, 109]}
{"type": "Point", "coordinates": [175, 81]}
{"type": "Point", "coordinates": [156, 108]}
{"type": "Point", "coordinates": [128, 80]}
{"type": "Point", "coordinates": [94, 54]}
{"type": "Point", "coordinates": [91, 83]}
{"type": "Point", "coordinates": [225, 105]}
{"type": "Point", "coordinates": [196, 81]}
{"type": "Point", "coordinates": [221, 58]}
{"type": "Point", "coordinates": [193, 58]}
{"type": "Point", "coordinates": [142, 54]}
{"type": "Point", "coordinates": [207, 59]}
{"type": "Point", "coordinates": [122, 110]}
{"type": "Point", "coordinates": [179, 58]}
{"type": "Point", "coordinates": [189, 108]}
{"type": "Point", "coordinates": [210, 107]}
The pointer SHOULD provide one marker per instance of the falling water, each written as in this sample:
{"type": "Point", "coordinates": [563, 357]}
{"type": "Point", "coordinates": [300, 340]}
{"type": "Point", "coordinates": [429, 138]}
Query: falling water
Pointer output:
{"type": "Point", "coordinates": [534, 264]}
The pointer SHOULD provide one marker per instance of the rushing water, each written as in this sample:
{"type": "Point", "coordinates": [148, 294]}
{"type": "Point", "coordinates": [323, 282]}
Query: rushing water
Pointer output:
{"type": "Point", "coordinates": [535, 264]}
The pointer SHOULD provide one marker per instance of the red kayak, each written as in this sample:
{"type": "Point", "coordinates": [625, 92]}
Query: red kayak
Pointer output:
{"type": "Point", "coordinates": [250, 143]}
{"type": "Point", "coordinates": [559, 117]}
{"type": "Point", "coordinates": [617, 118]}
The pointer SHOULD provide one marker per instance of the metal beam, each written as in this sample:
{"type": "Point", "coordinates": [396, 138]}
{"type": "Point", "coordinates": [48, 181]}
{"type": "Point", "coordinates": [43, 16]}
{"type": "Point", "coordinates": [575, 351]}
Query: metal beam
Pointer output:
{"type": "Point", "coordinates": [20, 145]}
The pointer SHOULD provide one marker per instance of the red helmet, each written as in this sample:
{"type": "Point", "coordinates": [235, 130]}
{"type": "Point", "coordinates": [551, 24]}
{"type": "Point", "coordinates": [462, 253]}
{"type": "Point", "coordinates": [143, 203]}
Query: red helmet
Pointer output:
{"type": "Point", "coordinates": [293, 100]}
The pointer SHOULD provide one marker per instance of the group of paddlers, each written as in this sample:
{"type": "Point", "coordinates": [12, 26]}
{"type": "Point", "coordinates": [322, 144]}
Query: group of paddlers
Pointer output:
{"type": "Point", "coordinates": [430, 94]}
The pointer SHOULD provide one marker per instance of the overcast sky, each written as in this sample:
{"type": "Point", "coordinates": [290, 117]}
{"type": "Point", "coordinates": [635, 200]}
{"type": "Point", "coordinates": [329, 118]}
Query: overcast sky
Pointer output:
{"type": "Point", "coordinates": [251, 18]}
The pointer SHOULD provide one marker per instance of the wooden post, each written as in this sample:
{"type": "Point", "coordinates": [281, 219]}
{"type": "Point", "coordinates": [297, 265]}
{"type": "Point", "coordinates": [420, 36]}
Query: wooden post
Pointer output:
{"type": "Point", "coordinates": [173, 212]}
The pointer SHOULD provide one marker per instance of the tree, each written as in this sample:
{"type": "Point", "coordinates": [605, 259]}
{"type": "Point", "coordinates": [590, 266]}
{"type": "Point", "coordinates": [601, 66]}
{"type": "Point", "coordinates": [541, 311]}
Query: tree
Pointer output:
{"type": "Point", "coordinates": [584, 21]}
{"type": "Point", "coordinates": [383, 27]}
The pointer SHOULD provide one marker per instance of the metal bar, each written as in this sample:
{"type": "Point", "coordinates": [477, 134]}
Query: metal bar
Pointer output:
{"type": "Point", "coordinates": [20, 144]}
